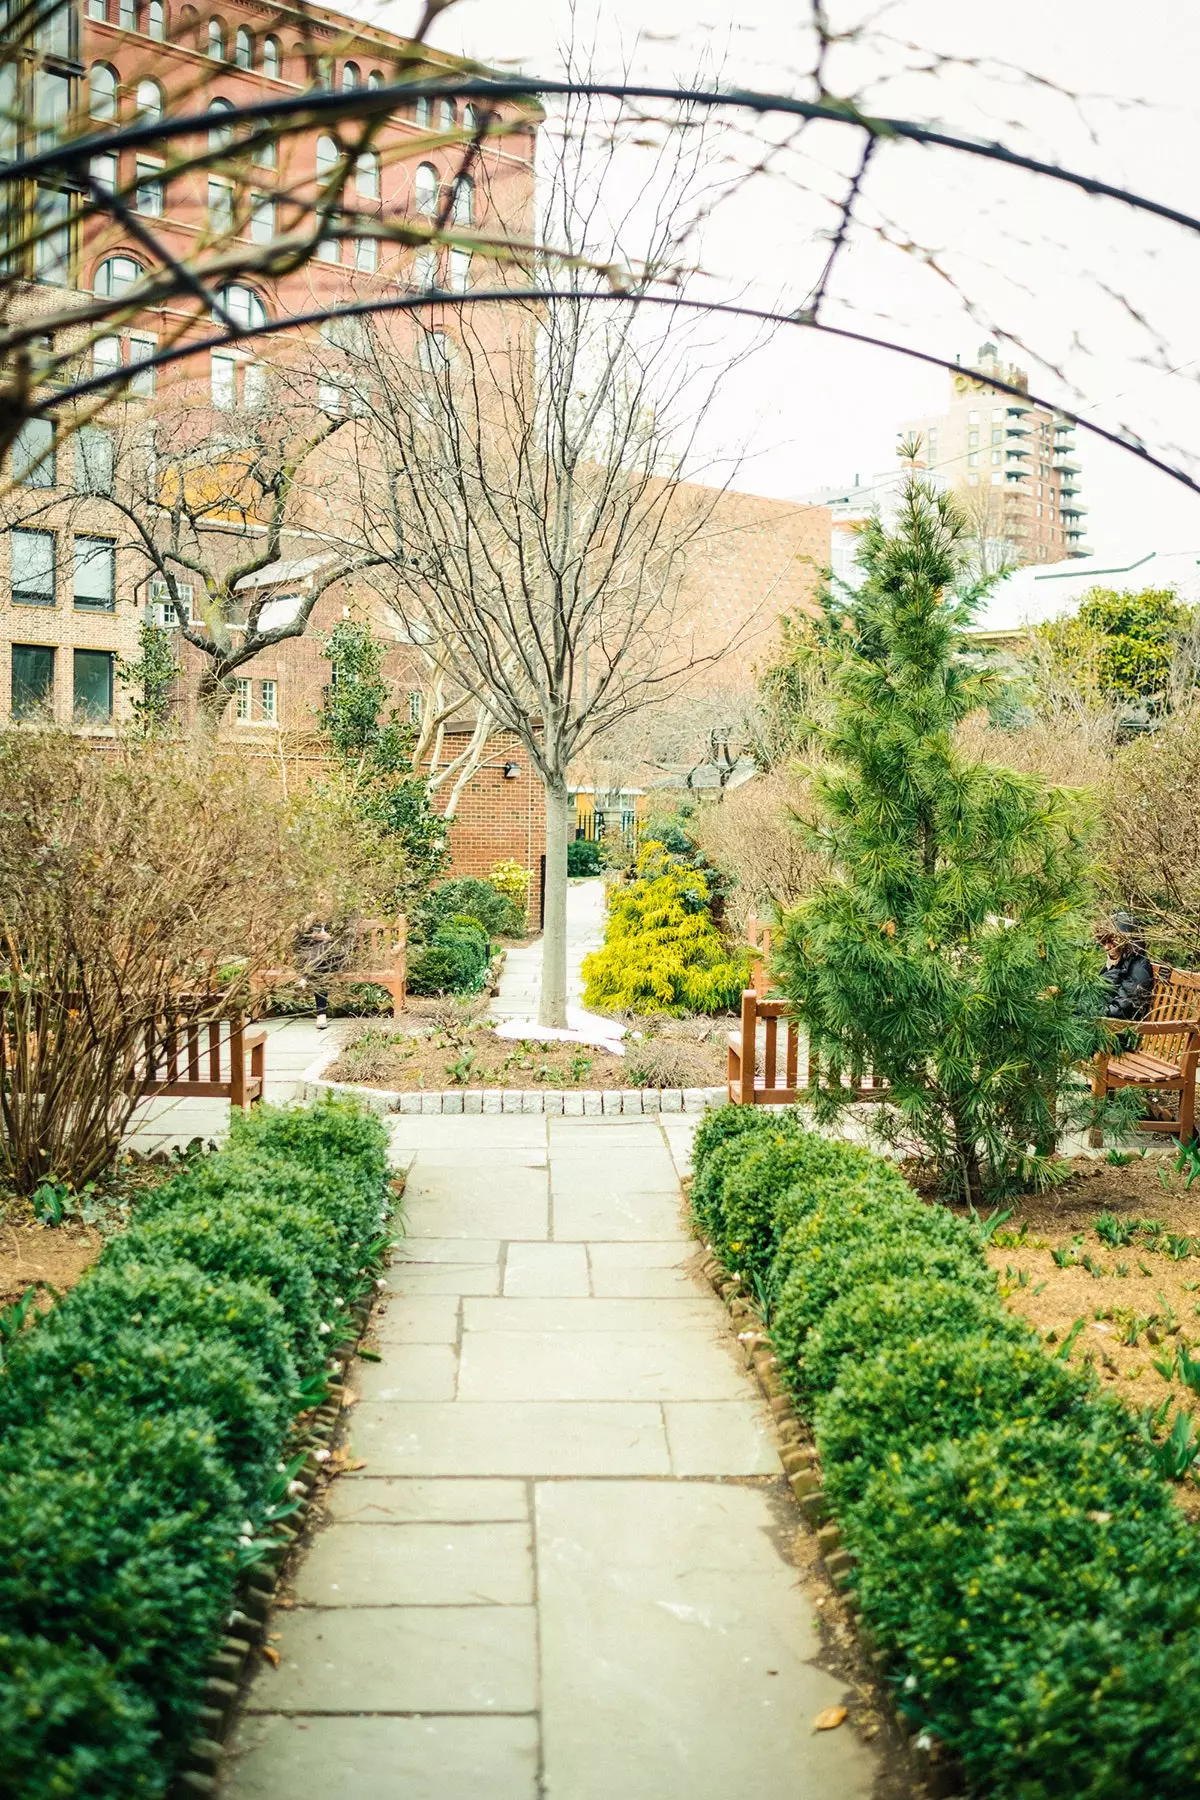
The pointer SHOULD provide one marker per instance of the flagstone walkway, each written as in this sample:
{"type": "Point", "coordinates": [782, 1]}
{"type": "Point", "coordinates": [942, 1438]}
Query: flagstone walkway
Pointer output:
{"type": "Point", "coordinates": [563, 1571]}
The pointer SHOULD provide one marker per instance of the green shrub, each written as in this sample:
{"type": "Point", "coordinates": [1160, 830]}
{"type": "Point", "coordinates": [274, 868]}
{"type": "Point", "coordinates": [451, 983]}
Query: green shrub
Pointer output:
{"type": "Point", "coordinates": [1015, 1549]}
{"type": "Point", "coordinates": [455, 961]}
{"type": "Point", "coordinates": [141, 1428]}
{"type": "Point", "coordinates": [584, 857]}
{"type": "Point", "coordinates": [499, 913]}
{"type": "Point", "coordinates": [662, 953]}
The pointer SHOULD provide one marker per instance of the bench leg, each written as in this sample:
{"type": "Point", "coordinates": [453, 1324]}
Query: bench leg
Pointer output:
{"type": "Point", "coordinates": [1100, 1090]}
{"type": "Point", "coordinates": [1187, 1101]}
{"type": "Point", "coordinates": [258, 1072]}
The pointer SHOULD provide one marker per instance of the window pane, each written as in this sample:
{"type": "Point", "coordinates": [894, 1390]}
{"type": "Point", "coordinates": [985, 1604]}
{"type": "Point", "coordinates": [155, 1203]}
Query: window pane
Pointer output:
{"type": "Point", "coordinates": [220, 206]}
{"type": "Point", "coordinates": [51, 103]}
{"type": "Point", "coordinates": [425, 188]}
{"type": "Point", "coordinates": [156, 20]}
{"type": "Point", "coordinates": [149, 188]}
{"type": "Point", "coordinates": [366, 254]}
{"type": "Point", "coordinates": [460, 271]}
{"type": "Point", "coordinates": [464, 200]}
{"type": "Point", "coordinates": [224, 383]}
{"type": "Point", "coordinates": [149, 100]}
{"type": "Point", "coordinates": [366, 176]}
{"type": "Point", "coordinates": [254, 386]}
{"type": "Point", "coordinates": [98, 9]}
{"type": "Point", "coordinates": [32, 679]}
{"type": "Point", "coordinates": [32, 567]}
{"type": "Point", "coordinates": [271, 58]}
{"type": "Point", "coordinates": [95, 574]}
{"type": "Point", "coordinates": [423, 110]}
{"type": "Point", "coordinates": [33, 454]}
{"type": "Point", "coordinates": [243, 700]}
{"type": "Point", "coordinates": [220, 137]}
{"type": "Point", "coordinates": [446, 115]}
{"type": "Point", "coordinates": [127, 15]}
{"type": "Point", "coordinates": [329, 250]}
{"type": "Point", "coordinates": [53, 34]}
{"type": "Point", "coordinates": [103, 171]}
{"type": "Point", "coordinates": [52, 250]}
{"type": "Point", "coordinates": [141, 345]}
{"type": "Point", "coordinates": [245, 49]}
{"type": "Point", "coordinates": [93, 686]}
{"type": "Point", "coordinates": [106, 355]}
{"type": "Point", "coordinates": [425, 270]}
{"type": "Point", "coordinates": [327, 155]}
{"type": "Point", "coordinates": [264, 156]}
{"type": "Point", "coordinates": [262, 220]}
{"type": "Point", "coordinates": [93, 460]}
{"type": "Point", "coordinates": [102, 91]}
{"type": "Point", "coordinates": [268, 699]}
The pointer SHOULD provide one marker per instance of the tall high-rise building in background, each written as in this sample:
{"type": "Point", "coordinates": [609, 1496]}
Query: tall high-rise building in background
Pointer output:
{"type": "Point", "coordinates": [1011, 462]}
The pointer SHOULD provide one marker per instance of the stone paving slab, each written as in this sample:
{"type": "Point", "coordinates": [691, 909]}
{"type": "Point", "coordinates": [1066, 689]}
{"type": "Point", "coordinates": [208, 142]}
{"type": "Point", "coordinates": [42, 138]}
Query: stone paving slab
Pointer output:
{"type": "Point", "coordinates": [465, 1659]}
{"type": "Point", "coordinates": [418, 1564]}
{"type": "Point", "coordinates": [531, 1438]}
{"type": "Point", "coordinates": [448, 1250]}
{"type": "Point", "coordinates": [385, 1500]}
{"type": "Point", "coordinates": [546, 1269]}
{"type": "Point", "coordinates": [597, 1365]}
{"type": "Point", "coordinates": [410, 1372]}
{"type": "Point", "coordinates": [673, 1313]}
{"type": "Point", "coordinates": [637, 1270]}
{"type": "Point", "coordinates": [720, 1437]}
{"type": "Point", "coordinates": [632, 1215]}
{"type": "Point", "coordinates": [421, 1319]}
{"type": "Point", "coordinates": [676, 1653]}
{"type": "Point", "coordinates": [444, 1216]}
{"type": "Point", "coordinates": [466, 1758]}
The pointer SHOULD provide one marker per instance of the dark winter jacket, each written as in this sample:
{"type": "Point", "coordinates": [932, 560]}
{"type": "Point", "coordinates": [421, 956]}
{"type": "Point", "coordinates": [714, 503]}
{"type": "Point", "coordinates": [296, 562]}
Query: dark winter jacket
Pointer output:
{"type": "Point", "coordinates": [321, 950]}
{"type": "Point", "coordinates": [1131, 980]}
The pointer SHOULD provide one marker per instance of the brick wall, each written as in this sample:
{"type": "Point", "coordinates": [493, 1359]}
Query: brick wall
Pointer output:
{"type": "Point", "coordinates": [499, 817]}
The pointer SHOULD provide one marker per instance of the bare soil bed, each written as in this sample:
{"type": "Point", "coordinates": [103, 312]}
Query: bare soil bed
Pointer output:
{"type": "Point", "coordinates": [51, 1258]}
{"type": "Point", "coordinates": [1112, 1256]}
{"type": "Point", "coordinates": [453, 1053]}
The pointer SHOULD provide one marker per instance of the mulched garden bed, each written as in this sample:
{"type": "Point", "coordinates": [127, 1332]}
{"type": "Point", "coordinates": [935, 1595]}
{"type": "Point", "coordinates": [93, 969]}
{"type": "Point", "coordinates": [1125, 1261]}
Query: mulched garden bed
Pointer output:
{"type": "Point", "coordinates": [677, 1053]}
{"type": "Point", "coordinates": [52, 1256]}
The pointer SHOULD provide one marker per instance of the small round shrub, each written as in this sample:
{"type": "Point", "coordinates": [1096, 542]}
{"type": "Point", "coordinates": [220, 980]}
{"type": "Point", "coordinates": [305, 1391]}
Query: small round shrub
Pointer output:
{"type": "Point", "coordinates": [892, 1312]}
{"type": "Point", "coordinates": [584, 858]}
{"type": "Point", "coordinates": [455, 960]}
{"type": "Point", "coordinates": [467, 895]}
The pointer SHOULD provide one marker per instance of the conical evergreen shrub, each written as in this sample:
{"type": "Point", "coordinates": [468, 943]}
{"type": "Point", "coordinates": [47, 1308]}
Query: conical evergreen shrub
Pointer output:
{"type": "Point", "coordinates": [949, 949]}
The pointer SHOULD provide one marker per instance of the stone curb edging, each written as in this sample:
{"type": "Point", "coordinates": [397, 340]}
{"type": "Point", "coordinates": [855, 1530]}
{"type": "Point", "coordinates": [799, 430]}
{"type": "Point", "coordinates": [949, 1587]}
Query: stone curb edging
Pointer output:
{"type": "Point", "coordinates": [231, 1665]}
{"type": "Point", "coordinates": [569, 1102]}
{"type": "Point", "coordinates": [937, 1767]}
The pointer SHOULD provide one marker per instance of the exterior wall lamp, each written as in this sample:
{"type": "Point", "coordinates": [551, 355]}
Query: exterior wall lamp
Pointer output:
{"type": "Point", "coordinates": [511, 771]}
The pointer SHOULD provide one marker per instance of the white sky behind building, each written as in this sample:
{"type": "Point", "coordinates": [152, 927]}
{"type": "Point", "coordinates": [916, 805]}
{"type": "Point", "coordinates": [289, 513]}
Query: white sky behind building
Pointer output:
{"type": "Point", "coordinates": [1097, 302]}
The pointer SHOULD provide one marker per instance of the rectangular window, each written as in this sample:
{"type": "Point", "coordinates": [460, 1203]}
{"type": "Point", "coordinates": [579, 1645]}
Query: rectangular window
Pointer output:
{"type": "Point", "coordinates": [224, 382]}
{"type": "Point", "coordinates": [103, 171]}
{"type": "Point", "coordinates": [329, 250]}
{"type": "Point", "coordinates": [149, 195]}
{"type": "Point", "coordinates": [244, 692]}
{"type": "Point", "coordinates": [997, 456]}
{"type": "Point", "coordinates": [329, 397]}
{"type": "Point", "coordinates": [53, 33]}
{"type": "Point", "coordinates": [32, 679]}
{"type": "Point", "coordinates": [414, 707]}
{"type": "Point", "coordinates": [51, 105]}
{"type": "Point", "coordinates": [262, 219]}
{"type": "Point", "coordinates": [93, 698]}
{"type": "Point", "coordinates": [264, 155]}
{"type": "Point", "coordinates": [972, 438]}
{"type": "Point", "coordinates": [425, 270]}
{"type": "Point", "coordinates": [973, 458]}
{"type": "Point", "coordinates": [268, 701]}
{"type": "Point", "coordinates": [95, 574]}
{"type": "Point", "coordinates": [33, 456]}
{"type": "Point", "coordinates": [32, 568]}
{"type": "Point", "coordinates": [366, 254]}
{"type": "Point", "coordinates": [127, 15]}
{"type": "Point", "coordinates": [93, 460]}
{"type": "Point", "coordinates": [141, 345]}
{"type": "Point", "coordinates": [220, 206]}
{"type": "Point", "coordinates": [106, 355]}
{"type": "Point", "coordinates": [254, 386]}
{"type": "Point", "coordinates": [460, 271]}
{"type": "Point", "coordinates": [52, 243]}
{"type": "Point", "coordinates": [98, 9]}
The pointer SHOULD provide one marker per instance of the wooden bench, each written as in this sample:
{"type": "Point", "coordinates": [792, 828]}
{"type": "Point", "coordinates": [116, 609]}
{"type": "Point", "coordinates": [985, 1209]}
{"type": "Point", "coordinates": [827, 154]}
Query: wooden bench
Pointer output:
{"type": "Point", "coordinates": [378, 958]}
{"type": "Point", "coordinates": [778, 1084]}
{"type": "Point", "coordinates": [1164, 1058]}
{"type": "Point", "coordinates": [202, 1059]}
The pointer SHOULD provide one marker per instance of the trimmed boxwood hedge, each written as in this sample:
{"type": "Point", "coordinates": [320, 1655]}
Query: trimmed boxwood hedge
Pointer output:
{"type": "Point", "coordinates": [142, 1425]}
{"type": "Point", "coordinates": [1015, 1550]}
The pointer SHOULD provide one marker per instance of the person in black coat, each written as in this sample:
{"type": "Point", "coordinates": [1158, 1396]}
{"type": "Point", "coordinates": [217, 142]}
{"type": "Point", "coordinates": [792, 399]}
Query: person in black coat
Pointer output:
{"type": "Point", "coordinates": [1127, 971]}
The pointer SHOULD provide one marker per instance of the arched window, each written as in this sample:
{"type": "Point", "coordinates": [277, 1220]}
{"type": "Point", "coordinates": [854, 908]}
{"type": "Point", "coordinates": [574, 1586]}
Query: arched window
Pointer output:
{"type": "Point", "coordinates": [220, 136]}
{"type": "Point", "coordinates": [149, 100]}
{"type": "Point", "coordinates": [424, 114]}
{"type": "Point", "coordinates": [244, 51]}
{"type": "Point", "coordinates": [375, 79]}
{"type": "Point", "coordinates": [243, 305]}
{"type": "Point", "coordinates": [470, 117]}
{"type": "Point", "coordinates": [102, 92]}
{"type": "Point", "coordinates": [425, 188]}
{"type": "Point", "coordinates": [350, 77]}
{"type": "Point", "coordinates": [216, 40]}
{"type": "Point", "coordinates": [328, 156]}
{"type": "Point", "coordinates": [445, 115]}
{"type": "Point", "coordinates": [366, 176]}
{"type": "Point", "coordinates": [116, 275]}
{"type": "Point", "coordinates": [271, 59]}
{"type": "Point", "coordinates": [156, 20]}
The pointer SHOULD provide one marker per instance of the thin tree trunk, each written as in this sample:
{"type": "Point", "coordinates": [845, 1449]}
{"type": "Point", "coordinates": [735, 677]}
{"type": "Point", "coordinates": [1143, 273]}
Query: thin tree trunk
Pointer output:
{"type": "Point", "coordinates": [214, 691]}
{"type": "Point", "coordinates": [552, 1007]}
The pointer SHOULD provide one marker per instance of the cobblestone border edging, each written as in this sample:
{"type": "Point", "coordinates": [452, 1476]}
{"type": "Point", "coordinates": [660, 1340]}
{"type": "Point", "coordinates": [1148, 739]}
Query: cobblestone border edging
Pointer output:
{"type": "Point", "coordinates": [939, 1771]}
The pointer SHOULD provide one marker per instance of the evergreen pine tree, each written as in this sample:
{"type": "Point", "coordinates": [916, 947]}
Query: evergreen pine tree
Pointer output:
{"type": "Point", "coordinates": [948, 950]}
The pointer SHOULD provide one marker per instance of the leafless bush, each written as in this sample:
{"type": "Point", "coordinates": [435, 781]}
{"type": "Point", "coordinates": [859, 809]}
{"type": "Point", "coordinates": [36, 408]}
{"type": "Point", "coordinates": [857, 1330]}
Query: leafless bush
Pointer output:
{"type": "Point", "coordinates": [668, 1062]}
{"type": "Point", "coordinates": [368, 1053]}
{"type": "Point", "coordinates": [1069, 750]}
{"type": "Point", "coordinates": [755, 836]}
{"type": "Point", "coordinates": [130, 875]}
{"type": "Point", "coordinates": [1150, 800]}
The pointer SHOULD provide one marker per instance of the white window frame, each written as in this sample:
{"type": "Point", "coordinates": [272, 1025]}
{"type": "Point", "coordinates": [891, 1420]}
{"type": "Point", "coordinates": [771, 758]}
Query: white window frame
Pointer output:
{"type": "Point", "coordinates": [268, 700]}
{"type": "Point", "coordinates": [244, 699]}
{"type": "Point", "coordinates": [148, 187]}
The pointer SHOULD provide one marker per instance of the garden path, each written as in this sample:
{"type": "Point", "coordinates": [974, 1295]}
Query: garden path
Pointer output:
{"type": "Point", "coordinates": [520, 978]}
{"type": "Point", "coordinates": [563, 1569]}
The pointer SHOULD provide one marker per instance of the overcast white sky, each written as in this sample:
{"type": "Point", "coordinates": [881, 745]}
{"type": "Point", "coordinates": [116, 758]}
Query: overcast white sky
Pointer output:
{"type": "Point", "coordinates": [1100, 299]}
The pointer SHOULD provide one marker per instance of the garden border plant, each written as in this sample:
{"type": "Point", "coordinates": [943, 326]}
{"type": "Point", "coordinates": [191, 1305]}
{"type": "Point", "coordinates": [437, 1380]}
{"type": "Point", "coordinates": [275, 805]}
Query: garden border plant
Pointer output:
{"type": "Point", "coordinates": [1003, 1526]}
{"type": "Point", "coordinates": [159, 1432]}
